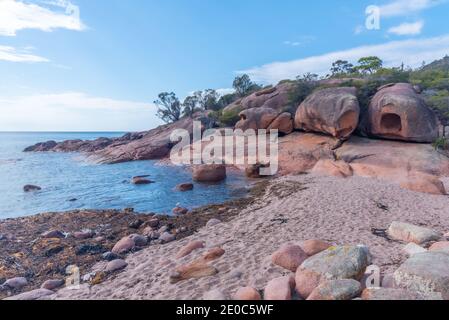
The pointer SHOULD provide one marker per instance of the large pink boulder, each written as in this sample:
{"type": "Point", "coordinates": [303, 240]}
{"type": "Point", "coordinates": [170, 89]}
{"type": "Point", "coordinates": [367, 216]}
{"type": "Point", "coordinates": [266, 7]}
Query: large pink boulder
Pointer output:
{"type": "Point", "coordinates": [398, 112]}
{"type": "Point", "coordinates": [289, 257]}
{"type": "Point", "coordinates": [313, 247]}
{"type": "Point", "coordinates": [256, 118]}
{"type": "Point", "coordinates": [423, 183]}
{"type": "Point", "coordinates": [279, 289]}
{"type": "Point", "coordinates": [333, 111]}
{"type": "Point", "coordinates": [283, 123]}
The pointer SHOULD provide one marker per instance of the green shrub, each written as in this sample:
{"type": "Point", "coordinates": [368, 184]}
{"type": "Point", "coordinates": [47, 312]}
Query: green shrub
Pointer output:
{"type": "Point", "coordinates": [441, 144]}
{"type": "Point", "coordinates": [229, 118]}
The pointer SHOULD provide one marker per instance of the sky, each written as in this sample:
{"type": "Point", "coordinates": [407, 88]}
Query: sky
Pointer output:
{"type": "Point", "coordinates": [98, 65]}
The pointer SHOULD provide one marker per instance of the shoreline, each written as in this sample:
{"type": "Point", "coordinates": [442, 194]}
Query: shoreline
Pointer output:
{"type": "Point", "coordinates": [24, 252]}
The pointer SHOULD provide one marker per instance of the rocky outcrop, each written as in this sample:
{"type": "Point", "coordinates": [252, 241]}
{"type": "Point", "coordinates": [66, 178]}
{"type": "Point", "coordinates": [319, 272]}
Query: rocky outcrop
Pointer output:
{"type": "Point", "coordinates": [277, 98]}
{"type": "Point", "coordinates": [333, 111]}
{"type": "Point", "coordinates": [398, 112]}
{"type": "Point", "coordinates": [283, 123]}
{"type": "Point", "coordinates": [256, 118]}
{"type": "Point", "coordinates": [147, 145]}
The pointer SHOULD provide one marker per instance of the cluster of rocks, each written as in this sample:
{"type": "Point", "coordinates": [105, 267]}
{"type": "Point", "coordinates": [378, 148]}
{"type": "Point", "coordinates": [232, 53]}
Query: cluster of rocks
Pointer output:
{"type": "Point", "coordinates": [317, 270]}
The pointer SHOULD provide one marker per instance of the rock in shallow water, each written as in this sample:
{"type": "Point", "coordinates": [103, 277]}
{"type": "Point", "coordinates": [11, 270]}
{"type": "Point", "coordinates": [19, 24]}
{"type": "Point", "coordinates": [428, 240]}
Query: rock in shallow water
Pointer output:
{"type": "Point", "coordinates": [183, 187]}
{"type": "Point", "coordinates": [31, 188]}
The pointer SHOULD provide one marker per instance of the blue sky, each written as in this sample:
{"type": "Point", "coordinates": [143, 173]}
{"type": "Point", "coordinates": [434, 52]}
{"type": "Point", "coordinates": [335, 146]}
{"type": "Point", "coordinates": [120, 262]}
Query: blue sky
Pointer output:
{"type": "Point", "coordinates": [98, 64]}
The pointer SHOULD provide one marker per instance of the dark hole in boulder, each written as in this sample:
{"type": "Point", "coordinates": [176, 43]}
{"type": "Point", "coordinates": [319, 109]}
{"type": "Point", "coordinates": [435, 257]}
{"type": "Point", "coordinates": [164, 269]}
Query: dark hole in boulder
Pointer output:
{"type": "Point", "coordinates": [391, 122]}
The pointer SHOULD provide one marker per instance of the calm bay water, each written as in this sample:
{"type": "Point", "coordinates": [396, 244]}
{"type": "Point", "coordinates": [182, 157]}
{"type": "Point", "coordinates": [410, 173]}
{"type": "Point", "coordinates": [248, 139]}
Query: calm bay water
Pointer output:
{"type": "Point", "coordinates": [68, 176]}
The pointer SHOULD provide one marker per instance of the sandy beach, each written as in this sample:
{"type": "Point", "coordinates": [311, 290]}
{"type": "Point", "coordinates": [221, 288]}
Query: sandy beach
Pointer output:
{"type": "Point", "coordinates": [294, 208]}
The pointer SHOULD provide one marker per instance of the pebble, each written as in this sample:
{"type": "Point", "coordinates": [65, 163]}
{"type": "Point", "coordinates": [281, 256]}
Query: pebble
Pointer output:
{"type": "Point", "coordinates": [109, 256]}
{"type": "Point", "coordinates": [116, 265]}
{"type": "Point", "coordinates": [84, 234]}
{"type": "Point", "coordinates": [212, 222]}
{"type": "Point", "coordinates": [16, 283]}
{"type": "Point", "coordinates": [53, 234]}
{"type": "Point", "coordinates": [125, 245]}
{"type": "Point", "coordinates": [215, 295]}
{"type": "Point", "coordinates": [167, 237]}
{"type": "Point", "coordinates": [313, 247]}
{"type": "Point", "coordinates": [136, 224]}
{"type": "Point", "coordinates": [139, 240]}
{"type": "Point", "coordinates": [189, 248]}
{"type": "Point", "coordinates": [410, 233]}
{"type": "Point", "coordinates": [53, 284]}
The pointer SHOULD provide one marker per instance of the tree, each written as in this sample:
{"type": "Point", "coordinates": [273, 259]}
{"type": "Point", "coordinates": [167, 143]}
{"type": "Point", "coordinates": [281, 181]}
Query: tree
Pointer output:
{"type": "Point", "coordinates": [341, 67]}
{"type": "Point", "coordinates": [190, 106]}
{"type": "Point", "coordinates": [369, 65]}
{"type": "Point", "coordinates": [169, 107]}
{"type": "Point", "coordinates": [207, 99]}
{"type": "Point", "coordinates": [244, 86]}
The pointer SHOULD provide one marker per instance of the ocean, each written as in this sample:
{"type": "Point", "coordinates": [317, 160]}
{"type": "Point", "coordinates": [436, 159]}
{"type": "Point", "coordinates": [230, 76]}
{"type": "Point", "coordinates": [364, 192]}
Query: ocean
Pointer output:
{"type": "Point", "coordinates": [70, 182]}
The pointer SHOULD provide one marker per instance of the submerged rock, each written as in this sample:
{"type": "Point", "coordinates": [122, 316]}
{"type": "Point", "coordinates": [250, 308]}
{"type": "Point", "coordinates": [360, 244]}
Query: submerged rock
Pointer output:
{"type": "Point", "coordinates": [31, 188]}
{"type": "Point", "coordinates": [183, 187]}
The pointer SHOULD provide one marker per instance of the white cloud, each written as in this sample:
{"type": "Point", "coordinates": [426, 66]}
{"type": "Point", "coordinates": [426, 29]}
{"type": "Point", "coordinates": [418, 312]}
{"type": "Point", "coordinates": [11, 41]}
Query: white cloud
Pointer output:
{"type": "Point", "coordinates": [13, 55]}
{"type": "Point", "coordinates": [410, 52]}
{"type": "Point", "coordinates": [74, 111]}
{"type": "Point", "coordinates": [406, 7]}
{"type": "Point", "coordinates": [16, 15]}
{"type": "Point", "coordinates": [407, 29]}
{"type": "Point", "coordinates": [225, 91]}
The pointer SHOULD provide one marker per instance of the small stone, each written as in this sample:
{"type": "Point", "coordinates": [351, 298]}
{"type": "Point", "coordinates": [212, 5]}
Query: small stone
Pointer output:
{"type": "Point", "coordinates": [125, 245]}
{"type": "Point", "coordinates": [141, 180]}
{"type": "Point", "coordinates": [92, 249]}
{"type": "Point", "coordinates": [98, 277]}
{"type": "Point", "coordinates": [344, 289]}
{"type": "Point", "coordinates": [31, 188]}
{"type": "Point", "coordinates": [279, 289]}
{"type": "Point", "coordinates": [139, 240]}
{"type": "Point", "coordinates": [16, 283]}
{"type": "Point", "coordinates": [313, 247]}
{"type": "Point", "coordinates": [180, 211]}
{"type": "Point", "coordinates": [163, 229]}
{"type": "Point", "coordinates": [129, 210]}
{"type": "Point", "coordinates": [215, 295]}
{"type": "Point", "coordinates": [116, 265]}
{"type": "Point", "coordinates": [213, 254]}
{"type": "Point", "coordinates": [212, 222]}
{"type": "Point", "coordinates": [53, 234]}
{"type": "Point", "coordinates": [289, 257]}
{"type": "Point", "coordinates": [167, 237]}
{"type": "Point", "coordinates": [189, 248]}
{"type": "Point", "coordinates": [32, 295]}
{"type": "Point", "coordinates": [153, 223]}
{"type": "Point", "coordinates": [136, 224]}
{"type": "Point", "coordinates": [109, 256]}
{"type": "Point", "coordinates": [410, 233]}
{"type": "Point", "coordinates": [53, 284]}
{"type": "Point", "coordinates": [412, 249]}
{"type": "Point", "coordinates": [247, 294]}
{"type": "Point", "coordinates": [442, 246]}
{"type": "Point", "coordinates": [84, 234]}
{"type": "Point", "coordinates": [183, 187]}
